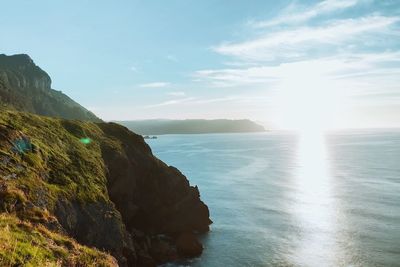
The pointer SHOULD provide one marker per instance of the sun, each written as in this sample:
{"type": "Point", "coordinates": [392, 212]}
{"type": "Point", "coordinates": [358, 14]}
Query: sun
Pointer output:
{"type": "Point", "coordinates": [307, 103]}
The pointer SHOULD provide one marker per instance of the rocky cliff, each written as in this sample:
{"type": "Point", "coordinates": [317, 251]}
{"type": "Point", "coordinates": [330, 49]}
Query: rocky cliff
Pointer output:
{"type": "Point", "coordinates": [26, 87]}
{"type": "Point", "coordinates": [80, 193]}
{"type": "Point", "coordinates": [100, 184]}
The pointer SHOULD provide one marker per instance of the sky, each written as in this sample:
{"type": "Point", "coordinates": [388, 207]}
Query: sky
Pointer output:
{"type": "Point", "coordinates": [287, 64]}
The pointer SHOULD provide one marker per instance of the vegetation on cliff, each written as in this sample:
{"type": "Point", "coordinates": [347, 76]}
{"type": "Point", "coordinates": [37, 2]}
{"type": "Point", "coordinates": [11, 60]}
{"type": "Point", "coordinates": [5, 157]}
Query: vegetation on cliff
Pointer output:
{"type": "Point", "coordinates": [110, 192]}
{"type": "Point", "coordinates": [23, 243]}
{"type": "Point", "coordinates": [84, 192]}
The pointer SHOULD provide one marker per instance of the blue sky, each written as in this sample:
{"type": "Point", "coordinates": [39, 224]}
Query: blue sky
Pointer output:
{"type": "Point", "coordinates": [278, 62]}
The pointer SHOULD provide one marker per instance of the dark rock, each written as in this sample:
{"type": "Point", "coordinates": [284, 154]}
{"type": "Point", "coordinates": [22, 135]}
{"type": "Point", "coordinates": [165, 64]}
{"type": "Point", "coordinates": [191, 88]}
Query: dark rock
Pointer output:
{"type": "Point", "coordinates": [150, 195]}
{"type": "Point", "coordinates": [162, 251]}
{"type": "Point", "coordinates": [188, 245]}
{"type": "Point", "coordinates": [145, 260]}
{"type": "Point", "coordinates": [86, 223]}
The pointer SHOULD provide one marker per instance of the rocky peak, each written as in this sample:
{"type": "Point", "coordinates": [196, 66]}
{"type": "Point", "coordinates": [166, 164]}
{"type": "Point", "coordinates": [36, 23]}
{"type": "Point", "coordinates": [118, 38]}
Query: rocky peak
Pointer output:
{"type": "Point", "coordinates": [20, 71]}
{"type": "Point", "coordinates": [16, 60]}
{"type": "Point", "coordinates": [26, 87]}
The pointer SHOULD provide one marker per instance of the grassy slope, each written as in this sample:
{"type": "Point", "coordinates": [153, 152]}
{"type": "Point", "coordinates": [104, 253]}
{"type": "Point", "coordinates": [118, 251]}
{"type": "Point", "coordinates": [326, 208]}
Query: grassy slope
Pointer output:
{"type": "Point", "coordinates": [84, 177]}
{"type": "Point", "coordinates": [62, 167]}
{"type": "Point", "coordinates": [23, 243]}
{"type": "Point", "coordinates": [61, 185]}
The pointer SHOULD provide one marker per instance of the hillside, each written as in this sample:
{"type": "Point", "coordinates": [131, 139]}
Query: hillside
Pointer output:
{"type": "Point", "coordinates": [26, 87]}
{"type": "Point", "coordinates": [84, 192]}
{"type": "Point", "coordinates": [110, 192]}
{"type": "Point", "coordinates": [157, 127]}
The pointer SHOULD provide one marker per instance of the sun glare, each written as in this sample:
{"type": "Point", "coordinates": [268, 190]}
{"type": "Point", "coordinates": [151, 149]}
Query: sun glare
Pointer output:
{"type": "Point", "coordinates": [307, 103]}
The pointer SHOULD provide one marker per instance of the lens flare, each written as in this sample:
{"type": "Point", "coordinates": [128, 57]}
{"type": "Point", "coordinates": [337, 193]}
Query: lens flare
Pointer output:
{"type": "Point", "coordinates": [85, 140]}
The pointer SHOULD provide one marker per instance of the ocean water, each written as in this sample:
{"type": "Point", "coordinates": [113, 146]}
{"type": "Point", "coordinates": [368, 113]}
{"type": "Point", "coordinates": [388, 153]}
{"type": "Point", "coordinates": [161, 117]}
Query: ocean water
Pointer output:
{"type": "Point", "coordinates": [283, 199]}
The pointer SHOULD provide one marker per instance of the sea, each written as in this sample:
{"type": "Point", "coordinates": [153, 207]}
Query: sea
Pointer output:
{"type": "Point", "coordinates": [283, 198]}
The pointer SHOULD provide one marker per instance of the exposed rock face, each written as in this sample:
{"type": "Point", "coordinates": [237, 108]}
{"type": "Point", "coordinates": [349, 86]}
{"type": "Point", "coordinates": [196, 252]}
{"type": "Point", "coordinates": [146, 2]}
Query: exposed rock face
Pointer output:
{"type": "Point", "coordinates": [188, 245]}
{"type": "Point", "coordinates": [19, 71]}
{"type": "Point", "coordinates": [26, 87]}
{"type": "Point", "coordinates": [99, 225]}
{"type": "Point", "coordinates": [150, 195]}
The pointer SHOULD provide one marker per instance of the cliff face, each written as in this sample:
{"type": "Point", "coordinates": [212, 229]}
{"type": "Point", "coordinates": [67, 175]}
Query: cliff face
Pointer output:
{"type": "Point", "coordinates": [109, 192]}
{"type": "Point", "coordinates": [76, 188]}
{"type": "Point", "coordinates": [151, 196]}
{"type": "Point", "coordinates": [26, 87]}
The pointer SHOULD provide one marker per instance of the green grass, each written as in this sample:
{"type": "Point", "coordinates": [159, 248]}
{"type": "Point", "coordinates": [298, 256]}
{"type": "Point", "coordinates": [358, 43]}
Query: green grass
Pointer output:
{"type": "Point", "coordinates": [73, 169]}
{"type": "Point", "coordinates": [61, 166]}
{"type": "Point", "coordinates": [25, 244]}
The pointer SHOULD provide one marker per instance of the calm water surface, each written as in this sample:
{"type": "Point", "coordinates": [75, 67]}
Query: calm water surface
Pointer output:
{"type": "Point", "coordinates": [281, 199]}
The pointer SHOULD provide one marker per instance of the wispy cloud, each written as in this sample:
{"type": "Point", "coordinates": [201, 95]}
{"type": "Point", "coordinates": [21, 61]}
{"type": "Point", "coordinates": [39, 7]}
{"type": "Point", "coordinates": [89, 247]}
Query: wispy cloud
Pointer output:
{"type": "Point", "coordinates": [201, 101]}
{"type": "Point", "coordinates": [236, 77]}
{"type": "Point", "coordinates": [344, 66]}
{"type": "Point", "coordinates": [299, 42]}
{"type": "Point", "coordinates": [155, 85]}
{"type": "Point", "coordinates": [289, 17]}
{"type": "Point", "coordinates": [171, 102]}
{"type": "Point", "coordinates": [177, 93]}
{"type": "Point", "coordinates": [332, 49]}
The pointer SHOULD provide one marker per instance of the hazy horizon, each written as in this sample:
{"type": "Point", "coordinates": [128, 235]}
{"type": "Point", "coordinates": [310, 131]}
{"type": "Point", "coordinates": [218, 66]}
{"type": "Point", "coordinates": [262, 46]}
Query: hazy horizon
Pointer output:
{"type": "Point", "coordinates": [290, 65]}
{"type": "Point", "coordinates": [266, 125]}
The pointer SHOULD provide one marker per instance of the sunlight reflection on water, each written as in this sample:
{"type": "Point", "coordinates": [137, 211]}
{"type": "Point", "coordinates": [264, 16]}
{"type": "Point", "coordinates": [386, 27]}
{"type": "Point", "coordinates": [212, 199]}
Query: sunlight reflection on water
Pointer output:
{"type": "Point", "coordinates": [314, 205]}
{"type": "Point", "coordinates": [278, 199]}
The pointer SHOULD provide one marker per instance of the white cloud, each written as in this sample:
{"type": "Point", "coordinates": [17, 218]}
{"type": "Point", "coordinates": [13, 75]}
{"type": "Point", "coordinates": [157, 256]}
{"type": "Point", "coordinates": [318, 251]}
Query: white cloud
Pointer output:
{"type": "Point", "coordinates": [204, 101]}
{"type": "Point", "coordinates": [299, 42]}
{"type": "Point", "coordinates": [134, 69]}
{"type": "Point", "coordinates": [155, 85]}
{"type": "Point", "coordinates": [171, 102]}
{"type": "Point", "coordinates": [236, 77]}
{"type": "Point", "coordinates": [331, 64]}
{"type": "Point", "coordinates": [178, 93]}
{"type": "Point", "coordinates": [329, 87]}
{"type": "Point", "coordinates": [217, 100]}
{"type": "Point", "coordinates": [337, 67]}
{"type": "Point", "coordinates": [321, 8]}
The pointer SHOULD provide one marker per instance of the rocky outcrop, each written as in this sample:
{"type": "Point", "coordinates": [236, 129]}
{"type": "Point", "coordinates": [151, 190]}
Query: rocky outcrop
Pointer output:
{"type": "Point", "coordinates": [188, 245]}
{"type": "Point", "coordinates": [97, 224]}
{"type": "Point", "coordinates": [26, 87]}
{"type": "Point", "coordinates": [19, 71]}
{"type": "Point", "coordinates": [150, 195]}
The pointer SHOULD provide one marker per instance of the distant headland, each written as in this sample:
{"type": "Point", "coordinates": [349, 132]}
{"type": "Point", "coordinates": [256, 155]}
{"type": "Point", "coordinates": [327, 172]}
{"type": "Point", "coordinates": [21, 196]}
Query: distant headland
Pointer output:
{"type": "Point", "coordinates": [198, 126]}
